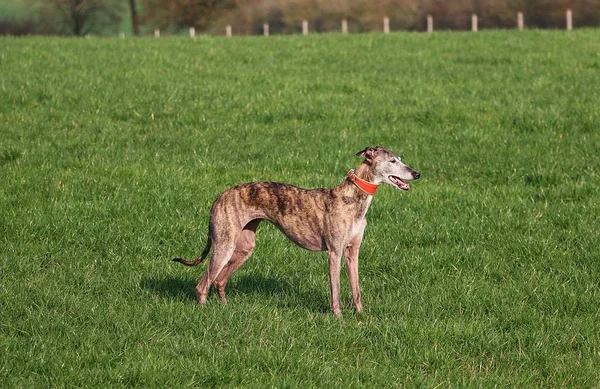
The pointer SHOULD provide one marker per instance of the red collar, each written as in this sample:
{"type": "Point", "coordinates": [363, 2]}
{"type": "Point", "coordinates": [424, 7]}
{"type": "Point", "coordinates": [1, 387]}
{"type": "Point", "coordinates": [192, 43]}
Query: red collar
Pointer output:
{"type": "Point", "coordinates": [366, 186]}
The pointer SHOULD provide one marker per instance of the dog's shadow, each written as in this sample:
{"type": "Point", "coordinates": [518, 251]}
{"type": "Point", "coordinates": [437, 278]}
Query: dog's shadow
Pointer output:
{"type": "Point", "coordinates": [287, 293]}
{"type": "Point", "coordinates": [170, 287]}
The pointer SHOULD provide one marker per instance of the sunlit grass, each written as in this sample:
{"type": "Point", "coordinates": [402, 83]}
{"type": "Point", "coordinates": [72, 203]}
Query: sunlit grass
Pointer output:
{"type": "Point", "coordinates": [485, 273]}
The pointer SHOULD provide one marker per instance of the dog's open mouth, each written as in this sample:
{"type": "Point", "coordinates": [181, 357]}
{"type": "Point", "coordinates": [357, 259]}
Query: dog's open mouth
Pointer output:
{"type": "Point", "coordinates": [399, 183]}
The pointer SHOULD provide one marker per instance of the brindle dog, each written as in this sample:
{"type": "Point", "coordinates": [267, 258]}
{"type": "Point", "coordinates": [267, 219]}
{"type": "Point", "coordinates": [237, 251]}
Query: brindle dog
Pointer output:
{"type": "Point", "coordinates": [331, 220]}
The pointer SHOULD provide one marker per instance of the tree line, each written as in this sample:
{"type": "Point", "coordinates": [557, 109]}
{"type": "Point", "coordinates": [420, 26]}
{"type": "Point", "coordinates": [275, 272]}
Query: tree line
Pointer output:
{"type": "Point", "coordinates": [105, 17]}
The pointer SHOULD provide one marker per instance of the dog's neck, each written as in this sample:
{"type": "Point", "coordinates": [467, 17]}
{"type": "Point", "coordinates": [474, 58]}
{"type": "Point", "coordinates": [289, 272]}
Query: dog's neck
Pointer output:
{"type": "Point", "coordinates": [364, 172]}
{"type": "Point", "coordinates": [351, 190]}
{"type": "Point", "coordinates": [366, 186]}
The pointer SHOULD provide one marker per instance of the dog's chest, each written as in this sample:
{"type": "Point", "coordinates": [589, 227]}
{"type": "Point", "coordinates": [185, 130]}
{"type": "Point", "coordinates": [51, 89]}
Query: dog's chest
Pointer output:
{"type": "Point", "coordinates": [358, 223]}
{"type": "Point", "coordinates": [367, 205]}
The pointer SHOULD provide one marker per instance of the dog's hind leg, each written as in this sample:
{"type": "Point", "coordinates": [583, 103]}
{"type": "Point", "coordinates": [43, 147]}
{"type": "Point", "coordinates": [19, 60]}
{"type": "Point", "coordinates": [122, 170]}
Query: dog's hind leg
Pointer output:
{"type": "Point", "coordinates": [243, 249]}
{"type": "Point", "coordinates": [221, 254]}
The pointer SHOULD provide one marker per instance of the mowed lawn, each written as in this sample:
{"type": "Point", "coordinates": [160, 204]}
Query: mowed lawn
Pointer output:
{"type": "Point", "coordinates": [487, 272]}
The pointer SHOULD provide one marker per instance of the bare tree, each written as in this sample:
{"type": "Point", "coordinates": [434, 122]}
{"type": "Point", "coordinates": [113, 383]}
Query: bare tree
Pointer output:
{"type": "Point", "coordinates": [81, 17]}
{"type": "Point", "coordinates": [134, 18]}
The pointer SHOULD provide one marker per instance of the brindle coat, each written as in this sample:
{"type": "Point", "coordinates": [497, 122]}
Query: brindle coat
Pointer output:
{"type": "Point", "coordinates": [331, 220]}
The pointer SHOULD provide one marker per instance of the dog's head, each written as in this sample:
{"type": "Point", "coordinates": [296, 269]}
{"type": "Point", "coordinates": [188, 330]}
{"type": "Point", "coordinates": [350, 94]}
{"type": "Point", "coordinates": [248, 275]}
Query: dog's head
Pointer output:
{"type": "Point", "coordinates": [387, 167]}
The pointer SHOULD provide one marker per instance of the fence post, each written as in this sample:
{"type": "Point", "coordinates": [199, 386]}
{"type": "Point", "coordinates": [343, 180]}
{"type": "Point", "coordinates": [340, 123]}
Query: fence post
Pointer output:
{"type": "Point", "coordinates": [228, 31]}
{"type": "Point", "coordinates": [192, 32]}
{"type": "Point", "coordinates": [569, 19]}
{"type": "Point", "coordinates": [474, 23]}
{"type": "Point", "coordinates": [266, 29]}
{"type": "Point", "coordinates": [344, 26]}
{"type": "Point", "coordinates": [305, 27]}
{"type": "Point", "coordinates": [429, 23]}
{"type": "Point", "coordinates": [122, 35]}
{"type": "Point", "coordinates": [386, 25]}
{"type": "Point", "coordinates": [520, 22]}
{"type": "Point", "coordinates": [157, 33]}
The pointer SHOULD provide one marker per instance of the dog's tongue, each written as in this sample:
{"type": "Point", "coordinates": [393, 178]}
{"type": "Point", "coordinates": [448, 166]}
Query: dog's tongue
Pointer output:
{"type": "Point", "coordinates": [401, 184]}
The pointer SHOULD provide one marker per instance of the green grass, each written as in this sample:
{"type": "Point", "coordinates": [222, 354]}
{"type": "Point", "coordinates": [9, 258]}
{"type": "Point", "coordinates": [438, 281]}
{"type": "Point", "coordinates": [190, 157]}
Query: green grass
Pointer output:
{"type": "Point", "coordinates": [486, 273]}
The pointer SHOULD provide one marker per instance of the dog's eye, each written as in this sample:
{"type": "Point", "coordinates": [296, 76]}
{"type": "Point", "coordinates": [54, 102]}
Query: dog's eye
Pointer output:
{"type": "Point", "coordinates": [393, 161]}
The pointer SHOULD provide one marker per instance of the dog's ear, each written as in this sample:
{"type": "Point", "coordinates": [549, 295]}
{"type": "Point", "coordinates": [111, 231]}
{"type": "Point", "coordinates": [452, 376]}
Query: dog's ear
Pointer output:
{"type": "Point", "coordinates": [367, 153]}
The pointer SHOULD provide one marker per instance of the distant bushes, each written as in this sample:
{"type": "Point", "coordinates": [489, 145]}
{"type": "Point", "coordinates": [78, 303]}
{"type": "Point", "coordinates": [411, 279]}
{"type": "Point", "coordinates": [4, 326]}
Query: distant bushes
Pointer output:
{"type": "Point", "coordinates": [66, 17]}
{"type": "Point", "coordinates": [285, 16]}
{"type": "Point", "coordinates": [81, 17]}
{"type": "Point", "coordinates": [18, 27]}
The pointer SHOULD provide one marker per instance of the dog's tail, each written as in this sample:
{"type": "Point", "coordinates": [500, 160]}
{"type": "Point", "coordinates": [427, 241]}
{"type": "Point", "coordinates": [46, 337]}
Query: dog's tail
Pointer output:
{"type": "Point", "coordinates": [200, 258]}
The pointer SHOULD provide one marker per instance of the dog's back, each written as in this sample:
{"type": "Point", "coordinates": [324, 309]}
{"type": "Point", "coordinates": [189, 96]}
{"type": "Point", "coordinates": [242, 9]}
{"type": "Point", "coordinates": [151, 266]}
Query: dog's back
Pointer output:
{"type": "Point", "coordinates": [297, 212]}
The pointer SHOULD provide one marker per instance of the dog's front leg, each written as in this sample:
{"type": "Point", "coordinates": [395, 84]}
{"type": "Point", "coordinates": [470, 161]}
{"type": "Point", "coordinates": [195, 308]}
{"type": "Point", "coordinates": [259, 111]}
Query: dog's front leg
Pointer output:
{"type": "Point", "coordinates": [351, 256]}
{"type": "Point", "coordinates": [335, 259]}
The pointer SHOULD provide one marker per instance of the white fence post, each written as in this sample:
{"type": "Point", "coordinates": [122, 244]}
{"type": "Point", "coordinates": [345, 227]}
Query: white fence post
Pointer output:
{"type": "Point", "coordinates": [474, 23]}
{"type": "Point", "coordinates": [157, 33]}
{"type": "Point", "coordinates": [192, 32]}
{"type": "Point", "coordinates": [520, 22]}
{"type": "Point", "coordinates": [305, 27]}
{"type": "Point", "coordinates": [266, 29]}
{"type": "Point", "coordinates": [569, 19]}
{"type": "Point", "coordinates": [429, 23]}
{"type": "Point", "coordinates": [344, 26]}
{"type": "Point", "coordinates": [228, 31]}
{"type": "Point", "coordinates": [386, 25]}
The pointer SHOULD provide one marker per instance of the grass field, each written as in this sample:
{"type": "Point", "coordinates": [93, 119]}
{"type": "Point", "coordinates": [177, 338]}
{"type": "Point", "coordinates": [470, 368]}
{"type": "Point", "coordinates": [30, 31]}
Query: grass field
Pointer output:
{"type": "Point", "coordinates": [486, 273]}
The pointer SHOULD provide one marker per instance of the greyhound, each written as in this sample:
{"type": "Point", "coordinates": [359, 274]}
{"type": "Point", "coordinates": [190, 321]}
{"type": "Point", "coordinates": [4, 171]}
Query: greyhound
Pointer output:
{"type": "Point", "coordinates": [331, 220]}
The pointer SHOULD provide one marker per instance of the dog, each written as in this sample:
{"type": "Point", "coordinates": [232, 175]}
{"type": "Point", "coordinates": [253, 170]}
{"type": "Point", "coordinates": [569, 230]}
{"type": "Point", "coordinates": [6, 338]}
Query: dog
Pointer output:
{"type": "Point", "coordinates": [331, 220]}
